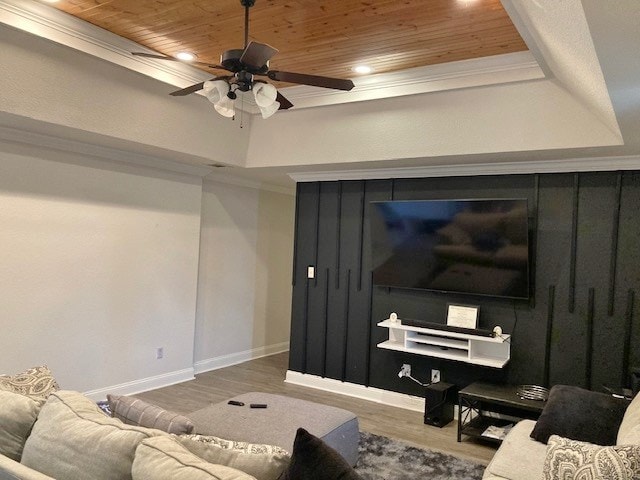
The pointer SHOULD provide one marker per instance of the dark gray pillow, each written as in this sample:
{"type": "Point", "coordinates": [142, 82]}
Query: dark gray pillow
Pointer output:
{"type": "Point", "coordinates": [579, 414]}
{"type": "Point", "coordinates": [312, 459]}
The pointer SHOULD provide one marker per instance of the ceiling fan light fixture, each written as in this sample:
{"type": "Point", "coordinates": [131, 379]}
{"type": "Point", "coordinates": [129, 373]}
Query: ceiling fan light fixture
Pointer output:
{"type": "Point", "coordinates": [265, 95]}
{"type": "Point", "coordinates": [225, 107]}
{"type": "Point", "coordinates": [267, 111]}
{"type": "Point", "coordinates": [215, 90]}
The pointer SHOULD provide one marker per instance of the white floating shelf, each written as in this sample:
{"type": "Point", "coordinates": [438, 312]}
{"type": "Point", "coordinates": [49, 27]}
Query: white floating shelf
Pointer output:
{"type": "Point", "coordinates": [492, 352]}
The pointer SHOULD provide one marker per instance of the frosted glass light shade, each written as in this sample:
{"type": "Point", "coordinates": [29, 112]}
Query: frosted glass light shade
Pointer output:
{"type": "Point", "coordinates": [215, 90]}
{"type": "Point", "coordinates": [265, 94]}
{"type": "Point", "coordinates": [225, 107]}
{"type": "Point", "coordinates": [270, 110]}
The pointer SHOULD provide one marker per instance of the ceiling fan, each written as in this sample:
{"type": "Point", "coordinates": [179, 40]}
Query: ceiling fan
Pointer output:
{"type": "Point", "coordinates": [244, 65]}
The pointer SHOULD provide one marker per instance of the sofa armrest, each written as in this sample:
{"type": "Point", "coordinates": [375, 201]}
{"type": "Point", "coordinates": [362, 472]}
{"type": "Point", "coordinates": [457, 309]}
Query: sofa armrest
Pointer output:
{"type": "Point", "coordinates": [12, 470]}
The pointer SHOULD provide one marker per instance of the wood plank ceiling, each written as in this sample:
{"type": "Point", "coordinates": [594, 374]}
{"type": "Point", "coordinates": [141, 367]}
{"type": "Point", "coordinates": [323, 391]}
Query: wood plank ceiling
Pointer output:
{"type": "Point", "coordinates": [318, 37]}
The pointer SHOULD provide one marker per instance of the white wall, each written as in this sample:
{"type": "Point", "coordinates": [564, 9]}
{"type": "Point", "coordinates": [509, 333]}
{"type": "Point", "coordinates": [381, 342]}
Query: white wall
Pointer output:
{"type": "Point", "coordinates": [57, 85]}
{"type": "Point", "coordinates": [518, 117]}
{"type": "Point", "coordinates": [244, 288]}
{"type": "Point", "coordinates": [99, 267]}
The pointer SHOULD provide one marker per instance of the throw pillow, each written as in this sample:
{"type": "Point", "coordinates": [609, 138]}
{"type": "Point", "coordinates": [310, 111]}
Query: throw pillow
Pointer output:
{"type": "Point", "coordinates": [17, 416]}
{"type": "Point", "coordinates": [312, 459]}
{"type": "Point", "coordinates": [74, 440]}
{"type": "Point", "coordinates": [134, 411]}
{"type": "Point", "coordinates": [580, 414]}
{"type": "Point", "coordinates": [163, 458]}
{"type": "Point", "coordinates": [573, 460]}
{"type": "Point", "coordinates": [37, 383]}
{"type": "Point", "coordinates": [266, 462]}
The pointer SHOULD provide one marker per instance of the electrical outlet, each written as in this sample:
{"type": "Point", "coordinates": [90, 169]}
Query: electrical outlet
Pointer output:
{"type": "Point", "coordinates": [435, 376]}
{"type": "Point", "coordinates": [311, 271]}
{"type": "Point", "coordinates": [159, 353]}
{"type": "Point", "coordinates": [405, 371]}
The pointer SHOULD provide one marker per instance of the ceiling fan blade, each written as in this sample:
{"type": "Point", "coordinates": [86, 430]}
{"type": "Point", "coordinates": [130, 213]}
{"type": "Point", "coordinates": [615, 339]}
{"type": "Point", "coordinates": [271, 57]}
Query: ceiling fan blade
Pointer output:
{"type": "Point", "coordinates": [256, 55]}
{"type": "Point", "coordinates": [285, 104]}
{"type": "Point", "coordinates": [195, 88]}
{"type": "Point", "coordinates": [188, 90]}
{"type": "Point", "coordinates": [163, 57]}
{"type": "Point", "coordinates": [314, 80]}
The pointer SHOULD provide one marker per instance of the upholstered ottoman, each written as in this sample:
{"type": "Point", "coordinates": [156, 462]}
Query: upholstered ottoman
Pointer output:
{"type": "Point", "coordinates": [277, 424]}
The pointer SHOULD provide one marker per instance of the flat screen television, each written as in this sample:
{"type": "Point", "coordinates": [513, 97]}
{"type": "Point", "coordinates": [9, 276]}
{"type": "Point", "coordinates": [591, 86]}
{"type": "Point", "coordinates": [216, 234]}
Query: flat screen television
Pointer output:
{"type": "Point", "coordinates": [476, 247]}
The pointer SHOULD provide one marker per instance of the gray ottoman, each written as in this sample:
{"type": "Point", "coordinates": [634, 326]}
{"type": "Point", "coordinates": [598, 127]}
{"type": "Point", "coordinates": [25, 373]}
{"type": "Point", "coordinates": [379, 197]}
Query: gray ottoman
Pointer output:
{"type": "Point", "coordinates": [277, 424]}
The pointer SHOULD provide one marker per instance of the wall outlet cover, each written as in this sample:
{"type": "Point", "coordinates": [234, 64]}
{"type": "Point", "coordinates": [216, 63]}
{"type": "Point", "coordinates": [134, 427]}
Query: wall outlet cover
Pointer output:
{"type": "Point", "coordinates": [435, 376]}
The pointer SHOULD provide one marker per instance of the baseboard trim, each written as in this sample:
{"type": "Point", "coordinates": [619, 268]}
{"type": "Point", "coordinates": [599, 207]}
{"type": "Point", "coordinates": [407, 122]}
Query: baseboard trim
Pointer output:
{"type": "Point", "coordinates": [228, 360]}
{"type": "Point", "coordinates": [386, 397]}
{"type": "Point", "coordinates": [143, 385]}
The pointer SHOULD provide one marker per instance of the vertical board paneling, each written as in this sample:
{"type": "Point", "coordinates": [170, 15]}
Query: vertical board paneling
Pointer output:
{"type": "Point", "coordinates": [583, 244]}
{"type": "Point", "coordinates": [574, 242]}
{"type": "Point", "coordinates": [305, 255]}
{"type": "Point", "coordinates": [551, 298]}
{"type": "Point", "coordinates": [628, 330]}
{"type": "Point", "coordinates": [614, 245]}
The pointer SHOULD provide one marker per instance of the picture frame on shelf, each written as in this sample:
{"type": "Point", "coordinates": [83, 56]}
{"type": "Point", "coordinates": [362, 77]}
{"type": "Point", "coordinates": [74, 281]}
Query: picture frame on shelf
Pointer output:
{"type": "Point", "coordinates": [464, 316]}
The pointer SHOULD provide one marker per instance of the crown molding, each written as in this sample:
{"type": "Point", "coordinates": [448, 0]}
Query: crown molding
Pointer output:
{"type": "Point", "coordinates": [596, 164]}
{"type": "Point", "coordinates": [498, 69]}
{"type": "Point", "coordinates": [57, 26]}
{"type": "Point", "coordinates": [238, 181]}
{"type": "Point", "coordinates": [50, 142]}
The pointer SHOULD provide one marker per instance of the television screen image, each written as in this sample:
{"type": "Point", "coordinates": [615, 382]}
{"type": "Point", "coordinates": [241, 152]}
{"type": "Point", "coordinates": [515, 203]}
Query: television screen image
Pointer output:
{"type": "Point", "coordinates": [478, 247]}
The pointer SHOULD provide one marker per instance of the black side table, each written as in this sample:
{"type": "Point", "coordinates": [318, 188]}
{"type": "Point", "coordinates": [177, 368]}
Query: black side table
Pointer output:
{"type": "Point", "coordinates": [478, 401]}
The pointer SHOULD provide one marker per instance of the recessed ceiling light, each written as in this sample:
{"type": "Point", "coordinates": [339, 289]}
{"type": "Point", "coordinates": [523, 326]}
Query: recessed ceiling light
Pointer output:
{"type": "Point", "coordinates": [186, 56]}
{"type": "Point", "coordinates": [50, 1]}
{"type": "Point", "coordinates": [363, 69]}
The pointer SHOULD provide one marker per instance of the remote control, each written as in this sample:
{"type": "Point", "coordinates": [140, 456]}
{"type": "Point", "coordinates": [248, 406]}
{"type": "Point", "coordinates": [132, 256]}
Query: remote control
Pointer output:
{"type": "Point", "coordinates": [235, 402]}
{"type": "Point", "coordinates": [258, 405]}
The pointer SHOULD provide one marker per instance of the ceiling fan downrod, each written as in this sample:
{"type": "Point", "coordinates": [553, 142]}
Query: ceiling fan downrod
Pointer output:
{"type": "Point", "coordinates": [247, 4]}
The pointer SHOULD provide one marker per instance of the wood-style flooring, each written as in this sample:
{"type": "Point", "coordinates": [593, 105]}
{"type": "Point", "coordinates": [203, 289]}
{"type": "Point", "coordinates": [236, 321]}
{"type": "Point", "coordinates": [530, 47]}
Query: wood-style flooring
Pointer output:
{"type": "Point", "coordinates": [267, 375]}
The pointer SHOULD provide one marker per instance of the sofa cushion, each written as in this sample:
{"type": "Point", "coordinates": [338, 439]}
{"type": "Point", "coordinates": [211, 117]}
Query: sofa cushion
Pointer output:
{"type": "Point", "coordinates": [74, 440]}
{"type": "Point", "coordinates": [17, 416]}
{"type": "Point", "coordinates": [133, 411]}
{"type": "Point", "coordinates": [573, 460]}
{"type": "Point", "coordinates": [579, 414]}
{"type": "Point", "coordinates": [163, 458]}
{"type": "Point", "coordinates": [266, 462]}
{"type": "Point", "coordinates": [37, 383]}
{"type": "Point", "coordinates": [12, 470]}
{"type": "Point", "coordinates": [519, 457]}
{"type": "Point", "coordinates": [312, 459]}
{"type": "Point", "coordinates": [629, 431]}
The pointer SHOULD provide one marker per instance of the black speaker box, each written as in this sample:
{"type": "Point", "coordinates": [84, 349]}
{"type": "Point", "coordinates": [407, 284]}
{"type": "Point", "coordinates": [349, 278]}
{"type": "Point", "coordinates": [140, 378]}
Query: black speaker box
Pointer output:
{"type": "Point", "coordinates": [439, 400]}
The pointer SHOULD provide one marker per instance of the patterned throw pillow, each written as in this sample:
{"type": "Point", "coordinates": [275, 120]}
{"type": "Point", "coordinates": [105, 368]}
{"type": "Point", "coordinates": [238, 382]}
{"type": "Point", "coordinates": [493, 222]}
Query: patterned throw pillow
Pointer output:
{"type": "Point", "coordinates": [133, 411]}
{"type": "Point", "coordinates": [243, 447]}
{"type": "Point", "coordinates": [36, 383]}
{"type": "Point", "coordinates": [573, 460]}
{"type": "Point", "coordinates": [265, 462]}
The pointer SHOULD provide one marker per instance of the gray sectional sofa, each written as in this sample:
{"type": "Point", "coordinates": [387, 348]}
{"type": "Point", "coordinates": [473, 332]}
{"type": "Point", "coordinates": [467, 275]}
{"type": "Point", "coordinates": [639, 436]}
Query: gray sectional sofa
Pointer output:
{"type": "Point", "coordinates": [578, 431]}
{"type": "Point", "coordinates": [46, 433]}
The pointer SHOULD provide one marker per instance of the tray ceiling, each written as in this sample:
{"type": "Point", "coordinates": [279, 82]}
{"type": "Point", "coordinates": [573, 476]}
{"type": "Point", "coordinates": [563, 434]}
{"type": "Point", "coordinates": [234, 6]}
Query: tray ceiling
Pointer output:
{"type": "Point", "coordinates": [317, 37]}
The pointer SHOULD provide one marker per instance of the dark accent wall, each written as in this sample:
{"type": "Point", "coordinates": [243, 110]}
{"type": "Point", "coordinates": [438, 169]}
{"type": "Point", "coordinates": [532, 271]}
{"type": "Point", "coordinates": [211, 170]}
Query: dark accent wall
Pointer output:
{"type": "Point", "coordinates": [578, 327]}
